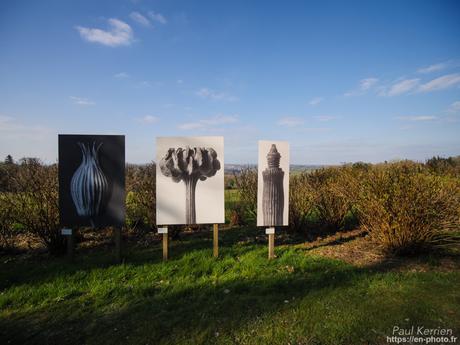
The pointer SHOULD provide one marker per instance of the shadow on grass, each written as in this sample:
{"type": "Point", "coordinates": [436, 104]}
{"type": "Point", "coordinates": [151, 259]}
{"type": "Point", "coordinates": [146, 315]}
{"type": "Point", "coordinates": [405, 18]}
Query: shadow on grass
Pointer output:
{"type": "Point", "coordinates": [157, 314]}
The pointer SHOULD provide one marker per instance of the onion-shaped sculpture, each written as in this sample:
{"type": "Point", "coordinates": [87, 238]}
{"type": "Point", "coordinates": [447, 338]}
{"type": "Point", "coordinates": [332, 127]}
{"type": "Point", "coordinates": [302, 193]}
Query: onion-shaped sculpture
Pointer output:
{"type": "Point", "coordinates": [190, 165]}
{"type": "Point", "coordinates": [273, 190]}
{"type": "Point", "coordinates": [89, 186]}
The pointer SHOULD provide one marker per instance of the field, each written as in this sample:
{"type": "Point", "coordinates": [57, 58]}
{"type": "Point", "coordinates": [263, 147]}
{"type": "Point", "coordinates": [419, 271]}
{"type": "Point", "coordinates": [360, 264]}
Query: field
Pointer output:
{"type": "Point", "coordinates": [304, 296]}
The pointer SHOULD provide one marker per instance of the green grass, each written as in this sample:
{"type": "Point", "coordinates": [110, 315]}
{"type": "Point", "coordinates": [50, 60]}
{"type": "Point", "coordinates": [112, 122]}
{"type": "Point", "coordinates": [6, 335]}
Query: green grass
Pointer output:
{"type": "Point", "coordinates": [240, 298]}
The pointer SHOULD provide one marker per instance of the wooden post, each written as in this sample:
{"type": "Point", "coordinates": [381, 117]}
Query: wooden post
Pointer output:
{"type": "Point", "coordinates": [215, 248]}
{"type": "Point", "coordinates": [164, 231]}
{"type": "Point", "coordinates": [70, 246]}
{"type": "Point", "coordinates": [271, 242]}
{"type": "Point", "coordinates": [117, 245]}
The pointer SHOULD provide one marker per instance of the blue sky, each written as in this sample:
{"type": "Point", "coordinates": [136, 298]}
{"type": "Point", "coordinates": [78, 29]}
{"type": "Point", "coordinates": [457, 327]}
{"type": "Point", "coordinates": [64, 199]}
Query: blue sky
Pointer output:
{"type": "Point", "coordinates": [342, 81]}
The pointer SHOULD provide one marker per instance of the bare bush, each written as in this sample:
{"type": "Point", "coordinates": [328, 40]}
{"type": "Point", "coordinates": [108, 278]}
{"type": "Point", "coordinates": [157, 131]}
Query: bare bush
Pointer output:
{"type": "Point", "coordinates": [406, 209]}
{"type": "Point", "coordinates": [331, 206]}
{"type": "Point", "coordinates": [246, 182]}
{"type": "Point", "coordinates": [301, 201]}
{"type": "Point", "coordinates": [141, 198]}
{"type": "Point", "coordinates": [35, 202]}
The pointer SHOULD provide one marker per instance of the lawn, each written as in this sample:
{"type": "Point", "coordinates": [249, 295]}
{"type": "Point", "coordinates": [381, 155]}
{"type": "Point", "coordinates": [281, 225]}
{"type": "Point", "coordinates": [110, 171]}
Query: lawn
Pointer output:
{"type": "Point", "coordinates": [301, 297]}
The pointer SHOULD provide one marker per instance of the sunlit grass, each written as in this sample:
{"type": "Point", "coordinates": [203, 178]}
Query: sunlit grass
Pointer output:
{"type": "Point", "coordinates": [239, 298]}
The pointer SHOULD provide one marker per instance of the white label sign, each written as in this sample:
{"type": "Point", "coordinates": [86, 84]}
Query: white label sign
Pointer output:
{"type": "Point", "coordinates": [163, 230]}
{"type": "Point", "coordinates": [270, 231]}
{"type": "Point", "coordinates": [66, 232]}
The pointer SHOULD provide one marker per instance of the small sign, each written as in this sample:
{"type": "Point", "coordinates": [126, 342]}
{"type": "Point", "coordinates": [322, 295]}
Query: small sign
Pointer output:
{"type": "Point", "coordinates": [270, 231]}
{"type": "Point", "coordinates": [66, 232]}
{"type": "Point", "coordinates": [163, 230]}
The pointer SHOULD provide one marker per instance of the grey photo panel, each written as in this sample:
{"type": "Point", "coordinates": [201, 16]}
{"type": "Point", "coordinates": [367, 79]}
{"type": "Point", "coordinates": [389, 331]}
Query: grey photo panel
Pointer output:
{"type": "Point", "coordinates": [273, 183]}
{"type": "Point", "coordinates": [190, 180]}
{"type": "Point", "coordinates": [92, 180]}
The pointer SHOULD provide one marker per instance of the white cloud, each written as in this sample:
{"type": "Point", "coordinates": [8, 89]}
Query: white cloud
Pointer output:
{"type": "Point", "coordinates": [401, 87]}
{"type": "Point", "coordinates": [217, 120]}
{"type": "Point", "coordinates": [324, 118]}
{"type": "Point", "coordinates": [364, 85]}
{"type": "Point", "coordinates": [119, 34]}
{"type": "Point", "coordinates": [316, 101]}
{"type": "Point", "coordinates": [441, 83]}
{"type": "Point", "coordinates": [433, 68]}
{"type": "Point", "coordinates": [121, 75]}
{"type": "Point", "coordinates": [455, 107]}
{"type": "Point", "coordinates": [191, 125]}
{"type": "Point", "coordinates": [180, 81]}
{"type": "Point", "coordinates": [290, 121]}
{"type": "Point", "coordinates": [149, 119]}
{"type": "Point", "coordinates": [217, 96]}
{"type": "Point", "coordinates": [140, 19]}
{"type": "Point", "coordinates": [221, 119]}
{"type": "Point", "coordinates": [417, 118]}
{"type": "Point", "coordinates": [81, 101]}
{"type": "Point", "coordinates": [157, 17]}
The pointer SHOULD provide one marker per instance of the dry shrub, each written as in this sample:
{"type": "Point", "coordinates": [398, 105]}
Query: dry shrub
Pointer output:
{"type": "Point", "coordinates": [34, 202]}
{"type": "Point", "coordinates": [246, 182]}
{"type": "Point", "coordinates": [301, 201]}
{"type": "Point", "coordinates": [331, 206]}
{"type": "Point", "coordinates": [141, 198]}
{"type": "Point", "coordinates": [405, 208]}
{"type": "Point", "coordinates": [8, 230]}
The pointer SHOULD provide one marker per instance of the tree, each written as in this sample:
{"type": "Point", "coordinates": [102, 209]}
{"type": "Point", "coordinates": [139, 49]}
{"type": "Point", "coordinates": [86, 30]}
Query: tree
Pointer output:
{"type": "Point", "coordinates": [9, 159]}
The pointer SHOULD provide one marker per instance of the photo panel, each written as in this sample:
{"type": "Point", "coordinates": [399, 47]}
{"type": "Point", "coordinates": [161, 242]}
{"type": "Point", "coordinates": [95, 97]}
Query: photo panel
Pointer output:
{"type": "Point", "coordinates": [92, 180]}
{"type": "Point", "coordinates": [273, 183]}
{"type": "Point", "coordinates": [190, 180]}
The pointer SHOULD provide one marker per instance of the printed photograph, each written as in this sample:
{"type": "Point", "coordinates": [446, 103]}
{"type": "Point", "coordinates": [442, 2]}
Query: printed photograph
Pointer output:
{"type": "Point", "coordinates": [190, 180]}
{"type": "Point", "coordinates": [273, 184]}
{"type": "Point", "coordinates": [92, 180]}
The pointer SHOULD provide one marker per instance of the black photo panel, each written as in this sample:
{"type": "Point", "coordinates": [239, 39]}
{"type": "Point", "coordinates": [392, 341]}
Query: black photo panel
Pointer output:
{"type": "Point", "coordinates": [92, 180]}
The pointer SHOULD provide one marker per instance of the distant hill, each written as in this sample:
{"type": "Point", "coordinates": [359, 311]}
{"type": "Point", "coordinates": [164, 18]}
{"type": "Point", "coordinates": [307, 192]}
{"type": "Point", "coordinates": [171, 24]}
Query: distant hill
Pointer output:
{"type": "Point", "coordinates": [235, 168]}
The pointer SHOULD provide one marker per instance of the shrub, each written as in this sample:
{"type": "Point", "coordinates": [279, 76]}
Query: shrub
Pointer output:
{"type": "Point", "coordinates": [406, 209]}
{"type": "Point", "coordinates": [301, 201]}
{"type": "Point", "coordinates": [330, 205]}
{"type": "Point", "coordinates": [35, 202]}
{"type": "Point", "coordinates": [141, 198]}
{"type": "Point", "coordinates": [246, 182]}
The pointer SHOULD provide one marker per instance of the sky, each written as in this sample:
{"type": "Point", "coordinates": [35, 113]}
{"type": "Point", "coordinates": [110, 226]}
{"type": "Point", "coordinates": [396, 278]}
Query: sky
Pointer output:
{"type": "Point", "coordinates": [341, 81]}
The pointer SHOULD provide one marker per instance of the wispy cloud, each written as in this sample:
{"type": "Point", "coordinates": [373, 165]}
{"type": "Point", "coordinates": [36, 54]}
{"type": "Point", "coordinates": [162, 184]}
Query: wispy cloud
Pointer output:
{"type": "Point", "coordinates": [454, 107]}
{"type": "Point", "coordinates": [118, 34]}
{"type": "Point", "coordinates": [140, 19]}
{"type": "Point", "coordinates": [149, 119]}
{"type": "Point", "coordinates": [121, 75]}
{"type": "Point", "coordinates": [217, 96]}
{"type": "Point", "coordinates": [364, 85]}
{"type": "Point", "coordinates": [290, 121]}
{"type": "Point", "coordinates": [325, 118]}
{"type": "Point", "coordinates": [441, 83]}
{"type": "Point", "coordinates": [417, 118]}
{"type": "Point", "coordinates": [400, 87]}
{"type": "Point", "coordinates": [157, 17]}
{"type": "Point", "coordinates": [433, 68]}
{"type": "Point", "coordinates": [81, 101]}
{"type": "Point", "coordinates": [191, 125]}
{"type": "Point", "coordinates": [316, 101]}
{"type": "Point", "coordinates": [218, 120]}
{"type": "Point", "coordinates": [10, 127]}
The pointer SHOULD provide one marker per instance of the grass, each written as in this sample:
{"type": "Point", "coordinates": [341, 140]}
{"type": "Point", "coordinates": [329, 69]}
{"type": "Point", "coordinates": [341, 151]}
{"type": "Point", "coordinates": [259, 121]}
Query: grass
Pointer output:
{"type": "Point", "coordinates": [241, 298]}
